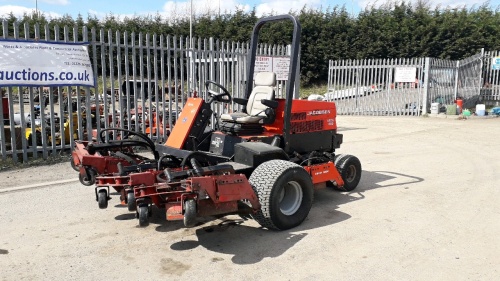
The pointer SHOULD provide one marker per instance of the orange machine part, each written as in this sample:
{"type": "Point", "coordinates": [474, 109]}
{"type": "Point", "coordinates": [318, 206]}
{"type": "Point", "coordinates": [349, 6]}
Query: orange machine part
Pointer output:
{"type": "Point", "coordinates": [324, 172]}
{"type": "Point", "coordinates": [185, 122]}
{"type": "Point", "coordinates": [305, 111]}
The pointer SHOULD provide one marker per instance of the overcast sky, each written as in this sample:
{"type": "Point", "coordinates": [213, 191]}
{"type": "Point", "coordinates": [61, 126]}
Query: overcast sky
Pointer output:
{"type": "Point", "coordinates": [57, 8]}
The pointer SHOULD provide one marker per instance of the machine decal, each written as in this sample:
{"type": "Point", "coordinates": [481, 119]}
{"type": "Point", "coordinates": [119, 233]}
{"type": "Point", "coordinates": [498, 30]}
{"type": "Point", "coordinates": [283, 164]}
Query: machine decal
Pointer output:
{"type": "Point", "coordinates": [319, 112]}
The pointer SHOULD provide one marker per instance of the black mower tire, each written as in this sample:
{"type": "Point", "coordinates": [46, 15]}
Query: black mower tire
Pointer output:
{"type": "Point", "coordinates": [190, 211]}
{"type": "Point", "coordinates": [86, 180]}
{"type": "Point", "coordinates": [349, 168]}
{"type": "Point", "coordinates": [73, 165]}
{"type": "Point", "coordinates": [131, 205]}
{"type": "Point", "coordinates": [285, 192]}
{"type": "Point", "coordinates": [143, 215]}
{"type": "Point", "coordinates": [102, 199]}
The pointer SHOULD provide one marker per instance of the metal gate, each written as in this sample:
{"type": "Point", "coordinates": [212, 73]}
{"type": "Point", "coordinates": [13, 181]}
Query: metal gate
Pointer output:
{"type": "Point", "coordinates": [451, 80]}
{"type": "Point", "coordinates": [490, 88]}
{"type": "Point", "coordinates": [370, 87]}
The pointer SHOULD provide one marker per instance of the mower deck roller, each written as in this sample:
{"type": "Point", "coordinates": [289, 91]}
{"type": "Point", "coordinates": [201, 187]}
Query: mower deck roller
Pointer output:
{"type": "Point", "coordinates": [265, 161]}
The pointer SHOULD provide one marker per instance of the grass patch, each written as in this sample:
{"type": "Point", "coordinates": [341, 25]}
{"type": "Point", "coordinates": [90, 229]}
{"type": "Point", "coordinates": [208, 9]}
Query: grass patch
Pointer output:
{"type": "Point", "coordinates": [8, 164]}
{"type": "Point", "coordinates": [319, 89]}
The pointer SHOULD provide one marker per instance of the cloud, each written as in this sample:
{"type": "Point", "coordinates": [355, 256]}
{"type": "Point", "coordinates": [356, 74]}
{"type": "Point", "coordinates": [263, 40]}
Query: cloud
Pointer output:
{"type": "Point", "coordinates": [56, 2]}
{"type": "Point", "coordinates": [278, 7]}
{"type": "Point", "coordinates": [176, 10]}
{"type": "Point", "coordinates": [96, 13]}
{"type": "Point", "coordinates": [18, 11]}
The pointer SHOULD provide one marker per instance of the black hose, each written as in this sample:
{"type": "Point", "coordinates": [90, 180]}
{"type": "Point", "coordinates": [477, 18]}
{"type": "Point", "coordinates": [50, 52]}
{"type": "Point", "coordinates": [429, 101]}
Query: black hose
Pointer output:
{"type": "Point", "coordinates": [196, 166]}
{"type": "Point", "coordinates": [159, 179]}
{"type": "Point", "coordinates": [191, 154]}
{"type": "Point", "coordinates": [140, 135]}
{"type": "Point", "coordinates": [160, 161]}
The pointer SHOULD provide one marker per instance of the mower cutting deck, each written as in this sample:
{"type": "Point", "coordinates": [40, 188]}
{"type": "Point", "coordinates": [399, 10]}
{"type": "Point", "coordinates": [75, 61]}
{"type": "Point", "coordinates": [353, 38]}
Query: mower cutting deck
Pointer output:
{"type": "Point", "coordinates": [108, 164]}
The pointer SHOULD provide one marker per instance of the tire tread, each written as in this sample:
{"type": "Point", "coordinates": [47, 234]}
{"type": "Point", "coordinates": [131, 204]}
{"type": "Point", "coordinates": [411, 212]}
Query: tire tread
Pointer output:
{"type": "Point", "coordinates": [341, 166]}
{"type": "Point", "coordinates": [262, 181]}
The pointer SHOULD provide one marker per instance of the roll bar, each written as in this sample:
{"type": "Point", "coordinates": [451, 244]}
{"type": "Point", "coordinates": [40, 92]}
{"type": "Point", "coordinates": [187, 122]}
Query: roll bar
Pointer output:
{"type": "Point", "coordinates": [294, 55]}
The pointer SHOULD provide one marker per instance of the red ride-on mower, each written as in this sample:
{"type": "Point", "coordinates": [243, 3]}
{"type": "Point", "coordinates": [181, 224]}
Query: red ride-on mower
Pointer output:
{"type": "Point", "coordinates": [108, 164]}
{"type": "Point", "coordinates": [265, 161]}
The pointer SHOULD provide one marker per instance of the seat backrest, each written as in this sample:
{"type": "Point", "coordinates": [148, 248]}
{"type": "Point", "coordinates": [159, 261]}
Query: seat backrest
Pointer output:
{"type": "Point", "coordinates": [263, 89]}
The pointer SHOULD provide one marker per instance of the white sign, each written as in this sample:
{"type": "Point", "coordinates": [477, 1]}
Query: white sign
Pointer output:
{"type": "Point", "coordinates": [28, 63]}
{"type": "Point", "coordinates": [263, 64]}
{"type": "Point", "coordinates": [278, 65]}
{"type": "Point", "coordinates": [281, 66]}
{"type": "Point", "coordinates": [405, 74]}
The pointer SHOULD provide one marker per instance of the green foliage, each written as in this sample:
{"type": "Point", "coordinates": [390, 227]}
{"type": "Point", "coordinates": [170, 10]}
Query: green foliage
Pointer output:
{"type": "Point", "coordinates": [393, 30]}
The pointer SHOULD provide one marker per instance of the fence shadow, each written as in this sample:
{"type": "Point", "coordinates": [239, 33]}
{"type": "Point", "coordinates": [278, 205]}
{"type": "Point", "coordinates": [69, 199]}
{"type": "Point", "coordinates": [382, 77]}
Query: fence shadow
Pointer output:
{"type": "Point", "coordinates": [249, 244]}
{"type": "Point", "coordinates": [343, 129]}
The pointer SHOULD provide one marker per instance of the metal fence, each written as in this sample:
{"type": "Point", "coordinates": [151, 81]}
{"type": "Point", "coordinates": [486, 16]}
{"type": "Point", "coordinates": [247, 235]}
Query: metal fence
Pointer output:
{"type": "Point", "coordinates": [371, 87]}
{"type": "Point", "coordinates": [490, 89]}
{"type": "Point", "coordinates": [143, 82]}
{"type": "Point", "coordinates": [368, 87]}
{"type": "Point", "coordinates": [450, 80]}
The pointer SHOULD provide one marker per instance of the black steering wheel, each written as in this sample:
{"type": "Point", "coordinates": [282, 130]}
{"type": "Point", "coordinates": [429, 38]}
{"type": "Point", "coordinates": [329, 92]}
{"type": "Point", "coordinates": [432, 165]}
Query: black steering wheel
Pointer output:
{"type": "Point", "coordinates": [214, 96]}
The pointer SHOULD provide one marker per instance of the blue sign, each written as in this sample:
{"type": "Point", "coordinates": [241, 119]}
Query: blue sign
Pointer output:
{"type": "Point", "coordinates": [495, 63]}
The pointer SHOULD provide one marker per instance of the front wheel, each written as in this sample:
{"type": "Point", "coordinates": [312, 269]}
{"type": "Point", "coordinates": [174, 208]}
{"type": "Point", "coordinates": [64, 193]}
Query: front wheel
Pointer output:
{"type": "Point", "coordinates": [143, 214]}
{"type": "Point", "coordinates": [102, 199]}
{"type": "Point", "coordinates": [285, 192]}
{"type": "Point", "coordinates": [131, 206]}
{"type": "Point", "coordinates": [89, 179]}
{"type": "Point", "coordinates": [190, 213]}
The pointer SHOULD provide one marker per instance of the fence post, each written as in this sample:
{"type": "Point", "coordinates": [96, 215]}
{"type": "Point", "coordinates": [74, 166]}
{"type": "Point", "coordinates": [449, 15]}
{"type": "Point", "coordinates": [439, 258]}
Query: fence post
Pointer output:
{"type": "Point", "coordinates": [356, 92]}
{"type": "Point", "coordinates": [481, 83]}
{"type": "Point", "coordinates": [455, 90]}
{"type": "Point", "coordinates": [427, 67]}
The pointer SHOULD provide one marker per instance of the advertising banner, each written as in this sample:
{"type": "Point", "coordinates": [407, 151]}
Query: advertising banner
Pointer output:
{"type": "Point", "coordinates": [30, 63]}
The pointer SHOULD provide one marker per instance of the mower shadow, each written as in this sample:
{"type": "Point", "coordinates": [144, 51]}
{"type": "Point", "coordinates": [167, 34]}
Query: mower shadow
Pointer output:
{"type": "Point", "coordinates": [157, 219]}
{"type": "Point", "coordinates": [231, 234]}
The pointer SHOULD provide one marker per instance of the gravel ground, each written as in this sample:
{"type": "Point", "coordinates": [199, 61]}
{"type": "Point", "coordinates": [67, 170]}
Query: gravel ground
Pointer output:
{"type": "Point", "coordinates": [426, 209]}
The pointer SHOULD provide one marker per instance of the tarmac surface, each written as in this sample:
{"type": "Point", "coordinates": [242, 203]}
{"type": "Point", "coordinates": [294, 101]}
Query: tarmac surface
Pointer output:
{"type": "Point", "coordinates": [427, 208]}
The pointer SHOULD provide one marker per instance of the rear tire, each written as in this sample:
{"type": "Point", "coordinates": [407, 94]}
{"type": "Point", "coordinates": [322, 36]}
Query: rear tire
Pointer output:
{"type": "Point", "coordinates": [285, 192]}
{"type": "Point", "coordinates": [349, 168]}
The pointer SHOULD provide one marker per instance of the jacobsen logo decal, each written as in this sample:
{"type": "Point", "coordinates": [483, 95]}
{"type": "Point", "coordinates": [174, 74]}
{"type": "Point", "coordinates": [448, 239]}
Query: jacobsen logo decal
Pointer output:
{"type": "Point", "coordinates": [217, 141]}
{"type": "Point", "coordinates": [319, 112]}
